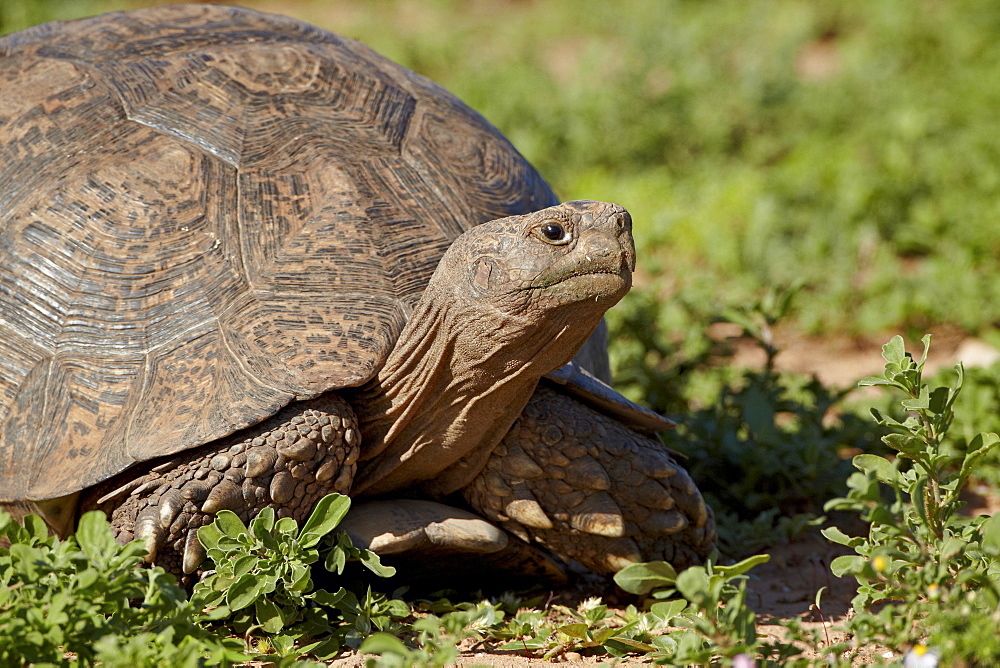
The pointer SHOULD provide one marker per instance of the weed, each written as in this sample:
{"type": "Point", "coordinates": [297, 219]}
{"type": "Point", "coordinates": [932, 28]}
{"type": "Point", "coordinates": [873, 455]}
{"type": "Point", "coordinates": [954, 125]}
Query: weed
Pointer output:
{"type": "Point", "coordinates": [920, 554]}
{"type": "Point", "coordinates": [85, 595]}
{"type": "Point", "coordinates": [262, 580]}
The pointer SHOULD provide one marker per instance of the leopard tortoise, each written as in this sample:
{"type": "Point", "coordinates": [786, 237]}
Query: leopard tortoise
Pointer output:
{"type": "Point", "coordinates": [246, 263]}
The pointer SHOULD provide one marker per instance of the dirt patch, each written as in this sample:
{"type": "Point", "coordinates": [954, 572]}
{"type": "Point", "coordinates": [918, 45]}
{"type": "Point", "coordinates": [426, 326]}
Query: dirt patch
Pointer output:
{"type": "Point", "coordinates": [841, 362]}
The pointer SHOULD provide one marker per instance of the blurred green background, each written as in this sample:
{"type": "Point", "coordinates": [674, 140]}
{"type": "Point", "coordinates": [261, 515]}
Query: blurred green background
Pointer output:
{"type": "Point", "coordinates": [850, 147]}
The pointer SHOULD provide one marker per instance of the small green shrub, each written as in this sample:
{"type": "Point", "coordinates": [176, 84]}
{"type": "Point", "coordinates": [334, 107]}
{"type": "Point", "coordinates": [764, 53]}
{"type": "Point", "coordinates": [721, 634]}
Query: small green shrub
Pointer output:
{"type": "Point", "coordinates": [920, 554]}
{"type": "Point", "coordinates": [86, 595]}
{"type": "Point", "coordinates": [89, 596]}
{"type": "Point", "coordinates": [262, 580]}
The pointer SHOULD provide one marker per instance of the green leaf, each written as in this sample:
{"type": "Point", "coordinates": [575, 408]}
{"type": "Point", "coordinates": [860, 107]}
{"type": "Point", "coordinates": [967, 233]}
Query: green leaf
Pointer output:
{"type": "Point", "coordinates": [693, 583]}
{"type": "Point", "coordinates": [286, 526]}
{"type": "Point", "coordinates": [323, 597]}
{"type": "Point", "coordinates": [979, 447]}
{"type": "Point", "coordinates": [36, 527]}
{"type": "Point", "coordinates": [244, 592]}
{"type": "Point", "coordinates": [25, 560]}
{"type": "Point", "coordinates": [283, 643]}
{"type": "Point", "coordinates": [951, 546]}
{"type": "Point", "coordinates": [991, 535]}
{"type": "Point", "coordinates": [922, 402]}
{"type": "Point", "coordinates": [904, 443]}
{"type": "Point", "coordinates": [93, 535]}
{"type": "Point", "coordinates": [326, 649]}
{"type": "Point", "coordinates": [383, 643]}
{"type": "Point", "coordinates": [629, 644]}
{"type": "Point", "coordinates": [371, 561]}
{"type": "Point", "coordinates": [741, 567]}
{"type": "Point", "coordinates": [642, 578]}
{"type": "Point", "coordinates": [881, 468]}
{"type": "Point", "coordinates": [301, 580]}
{"type": "Point", "coordinates": [268, 615]}
{"type": "Point", "coordinates": [880, 515]}
{"type": "Point", "coordinates": [926, 341]}
{"type": "Point", "coordinates": [336, 560]}
{"type": "Point", "coordinates": [917, 499]}
{"type": "Point", "coordinates": [894, 352]}
{"type": "Point", "coordinates": [837, 536]}
{"type": "Point", "coordinates": [209, 536]}
{"type": "Point", "coordinates": [819, 595]}
{"type": "Point", "coordinates": [576, 630]}
{"type": "Point", "coordinates": [667, 610]}
{"type": "Point", "coordinates": [848, 564]}
{"type": "Point", "coordinates": [230, 523]}
{"type": "Point", "coordinates": [268, 583]}
{"type": "Point", "coordinates": [244, 565]}
{"type": "Point", "coordinates": [86, 579]}
{"type": "Point", "coordinates": [264, 521]}
{"type": "Point", "coordinates": [940, 399]}
{"type": "Point", "coordinates": [327, 514]}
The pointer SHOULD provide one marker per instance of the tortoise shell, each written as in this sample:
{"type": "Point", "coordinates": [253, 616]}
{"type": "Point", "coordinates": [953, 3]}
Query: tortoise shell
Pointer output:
{"type": "Point", "coordinates": [205, 214]}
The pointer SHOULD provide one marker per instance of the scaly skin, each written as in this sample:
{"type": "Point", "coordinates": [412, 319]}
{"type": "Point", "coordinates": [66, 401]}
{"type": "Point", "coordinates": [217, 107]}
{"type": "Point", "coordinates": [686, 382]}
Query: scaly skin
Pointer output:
{"type": "Point", "coordinates": [288, 463]}
{"type": "Point", "coordinates": [591, 490]}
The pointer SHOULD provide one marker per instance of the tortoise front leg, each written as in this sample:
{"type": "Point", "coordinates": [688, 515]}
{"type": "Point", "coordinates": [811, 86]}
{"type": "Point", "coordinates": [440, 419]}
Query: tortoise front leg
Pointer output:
{"type": "Point", "coordinates": [288, 462]}
{"type": "Point", "coordinates": [591, 490]}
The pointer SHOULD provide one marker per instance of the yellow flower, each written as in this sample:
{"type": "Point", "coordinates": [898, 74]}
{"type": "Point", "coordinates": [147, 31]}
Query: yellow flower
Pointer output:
{"type": "Point", "coordinates": [879, 563]}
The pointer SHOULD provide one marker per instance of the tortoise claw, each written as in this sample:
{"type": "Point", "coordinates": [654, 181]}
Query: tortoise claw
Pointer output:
{"type": "Point", "coordinates": [171, 504]}
{"type": "Point", "coordinates": [224, 496]}
{"type": "Point", "coordinates": [599, 515]}
{"type": "Point", "coordinates": [148, 528]}
{"type": "Point", "coordinates": [528, 512]}
{"type": "Point", "coordinates": [194, 552]}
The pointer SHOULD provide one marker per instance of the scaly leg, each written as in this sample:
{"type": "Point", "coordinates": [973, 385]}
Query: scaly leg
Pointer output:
{"type": "Point", "coordinates": [591, 490]}
{"type": "Point", "coordinates": [288, 462]}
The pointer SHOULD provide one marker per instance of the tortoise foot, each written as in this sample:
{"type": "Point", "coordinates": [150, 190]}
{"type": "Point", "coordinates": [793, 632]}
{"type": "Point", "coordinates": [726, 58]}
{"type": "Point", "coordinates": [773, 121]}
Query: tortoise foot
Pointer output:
{"type": "Point", "coordinates": [289, 462]}
{"type": "Point", "coordinates": [436, 545]}
{"type": "Point", "coordinates": [591, 490]}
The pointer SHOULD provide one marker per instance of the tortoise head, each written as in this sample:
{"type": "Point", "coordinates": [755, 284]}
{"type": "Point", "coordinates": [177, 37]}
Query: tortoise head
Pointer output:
{"type": "Point", "coordinates": [575, 256]}
{"type": "Point", "coordinates": [510, 301]}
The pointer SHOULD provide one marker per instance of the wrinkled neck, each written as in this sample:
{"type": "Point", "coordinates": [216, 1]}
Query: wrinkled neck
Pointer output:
{"type": "Point", "coordinates": [449, 392]}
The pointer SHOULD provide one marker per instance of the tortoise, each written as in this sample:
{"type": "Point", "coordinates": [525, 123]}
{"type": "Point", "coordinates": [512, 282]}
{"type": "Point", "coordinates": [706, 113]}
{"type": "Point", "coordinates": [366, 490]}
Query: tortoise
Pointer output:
{"type": "Point", "coordinates": [245, 263]}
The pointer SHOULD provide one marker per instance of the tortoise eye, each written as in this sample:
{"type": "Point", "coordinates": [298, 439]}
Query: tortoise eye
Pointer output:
{"type": "Point", "coordinates": [555, 232]}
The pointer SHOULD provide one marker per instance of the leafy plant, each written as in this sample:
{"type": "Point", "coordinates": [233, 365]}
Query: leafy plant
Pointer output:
{"type": "Point", "coordinates": [434, 640]}
{"type": "Point", "coordinates": [262, 580]}
{"type": "Point", "coordinates": [89, 596]}
{"type": "Point", "coordinates": [86, 595]}
{"type": "Point", "coordinates": [714, 618]}
{"type": "Point", "coordinates": [919, 551]}
{"type": "Point", "coordinates": [765, 441]}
